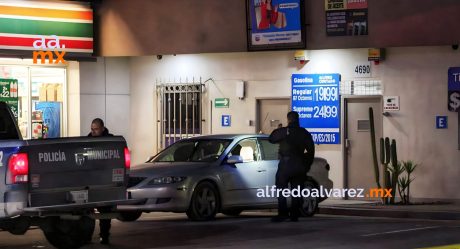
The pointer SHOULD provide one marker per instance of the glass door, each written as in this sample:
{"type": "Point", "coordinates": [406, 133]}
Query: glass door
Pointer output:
{"type": "Point", "coordinates": [47, 101]}
{"type": "Point", "coordinates": [14, 89]}
{"type": "Point", "coordinates": [37, 97]}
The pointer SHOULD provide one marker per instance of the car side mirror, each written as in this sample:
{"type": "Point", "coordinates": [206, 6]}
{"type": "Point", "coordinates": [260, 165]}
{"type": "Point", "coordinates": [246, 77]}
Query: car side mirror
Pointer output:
{"type": "Point", "coordinates": [234, 159]}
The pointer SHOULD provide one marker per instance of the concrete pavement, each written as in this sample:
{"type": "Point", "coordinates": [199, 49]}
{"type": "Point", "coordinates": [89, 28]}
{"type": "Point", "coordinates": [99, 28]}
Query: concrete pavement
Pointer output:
{"type": "Point", "coordinates": [433, 211]}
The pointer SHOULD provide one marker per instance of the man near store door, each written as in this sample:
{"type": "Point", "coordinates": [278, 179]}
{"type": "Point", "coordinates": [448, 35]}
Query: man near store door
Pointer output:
{"type": "Point", "coordinates": [99, 130]}
{"type": "Point", "coordinates": [296, 154]}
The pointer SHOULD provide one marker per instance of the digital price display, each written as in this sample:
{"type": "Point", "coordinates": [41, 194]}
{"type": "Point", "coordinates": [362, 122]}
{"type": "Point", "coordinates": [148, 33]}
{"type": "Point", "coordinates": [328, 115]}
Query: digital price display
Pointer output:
{"type": "Point", "coordinates": [316, 98]}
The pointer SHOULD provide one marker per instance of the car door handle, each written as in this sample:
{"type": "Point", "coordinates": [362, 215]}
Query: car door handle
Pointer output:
{"type": "Point", "coordinates": [261, 170]}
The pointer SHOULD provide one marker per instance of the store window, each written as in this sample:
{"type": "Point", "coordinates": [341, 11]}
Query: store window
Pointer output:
{"type": "Point", "coordinates": [37, 97]}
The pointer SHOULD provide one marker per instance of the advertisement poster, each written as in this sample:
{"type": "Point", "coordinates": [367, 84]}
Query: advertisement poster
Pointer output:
{"type": "Point", "coordinates": [316, 98]}
{"type": "Point", "coordinates": [9, 94]}
{"type": "Point", "coordinates": [51, 115]}
{"type": "Point", "coordinates": [275, 22]}
{"type": "Point", "coordinates": [346, 17]}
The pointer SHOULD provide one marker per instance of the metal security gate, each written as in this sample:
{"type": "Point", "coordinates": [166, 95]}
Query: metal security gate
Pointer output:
{"type": "Point", "coordinates": [179, 110]}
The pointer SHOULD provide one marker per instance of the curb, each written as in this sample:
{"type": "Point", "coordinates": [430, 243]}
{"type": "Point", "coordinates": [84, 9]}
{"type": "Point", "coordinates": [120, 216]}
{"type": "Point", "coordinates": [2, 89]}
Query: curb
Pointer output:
{"type": "Point", "coordinates": [411, 214]}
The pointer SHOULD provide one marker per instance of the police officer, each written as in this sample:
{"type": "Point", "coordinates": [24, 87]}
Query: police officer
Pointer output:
{"type": "Point", "coordinates": [99, 130]}
{"type": "Point", "coordinates": [296, 154]}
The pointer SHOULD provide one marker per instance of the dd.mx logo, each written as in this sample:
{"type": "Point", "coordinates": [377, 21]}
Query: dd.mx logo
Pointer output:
{"type": "Point", "coordinates": [48, 50]}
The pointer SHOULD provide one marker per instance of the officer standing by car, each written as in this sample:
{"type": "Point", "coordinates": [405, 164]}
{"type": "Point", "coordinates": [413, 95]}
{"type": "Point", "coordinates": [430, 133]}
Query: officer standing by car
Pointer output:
{"type": "Point", "coordinates": [98, 129]}
{"type": "Point", "coordinates": [296, 154]}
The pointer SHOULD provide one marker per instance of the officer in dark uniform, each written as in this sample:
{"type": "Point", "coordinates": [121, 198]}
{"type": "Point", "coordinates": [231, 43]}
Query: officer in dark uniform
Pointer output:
{"type": "Point", "coordinates": [296, 154]}
{"type": "Point", "coordinates": [99, 130]}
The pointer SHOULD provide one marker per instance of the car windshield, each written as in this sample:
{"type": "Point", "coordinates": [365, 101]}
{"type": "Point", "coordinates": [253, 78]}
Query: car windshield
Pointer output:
{"type": "Point", "coordinates": [193, 151]}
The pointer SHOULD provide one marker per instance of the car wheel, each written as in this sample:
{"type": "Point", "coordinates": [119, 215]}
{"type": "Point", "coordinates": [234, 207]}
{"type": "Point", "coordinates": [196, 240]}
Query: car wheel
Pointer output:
{"type": "Point", "coordinates": [232, 212]}
{"type": "Point", "coordinates": [310, 204]}
{"type": "Point", "coordinates": [204, 203]}
{"type": "Point", "coordinates": [129, 216]}
{"type": "Point", "coordinates": [68, 234]}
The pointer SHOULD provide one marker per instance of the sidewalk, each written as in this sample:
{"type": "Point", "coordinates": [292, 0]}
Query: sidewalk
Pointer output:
{"type": "Point", "coordinates": [437, 211]}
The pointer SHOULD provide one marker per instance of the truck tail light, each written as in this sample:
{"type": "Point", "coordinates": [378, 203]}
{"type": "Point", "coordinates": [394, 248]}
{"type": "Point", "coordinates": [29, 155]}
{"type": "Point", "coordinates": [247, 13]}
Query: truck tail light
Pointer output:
{"type": "Point", "coordinates": [18, 166]}
{"type": "Point", "coordinates": [127, 158]}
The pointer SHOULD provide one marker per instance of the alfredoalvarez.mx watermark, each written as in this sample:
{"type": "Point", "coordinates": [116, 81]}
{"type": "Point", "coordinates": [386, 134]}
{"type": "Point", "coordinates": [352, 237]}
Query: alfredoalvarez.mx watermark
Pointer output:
{"type": "Point", "coordinates": [48, 50]}
{"type": "Point", "coordinates": [321, 192]}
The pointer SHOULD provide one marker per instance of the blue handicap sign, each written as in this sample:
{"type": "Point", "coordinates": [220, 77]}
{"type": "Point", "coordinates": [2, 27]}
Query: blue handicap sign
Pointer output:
{"type": "Point", "coordinates": [226, 120]}
{"type": "Point", "coordinates": [441, 122]}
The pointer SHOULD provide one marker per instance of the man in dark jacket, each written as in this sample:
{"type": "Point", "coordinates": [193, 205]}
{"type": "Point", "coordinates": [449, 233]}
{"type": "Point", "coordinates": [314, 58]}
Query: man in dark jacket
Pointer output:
{"type": "Point", "coordinates": [99, 130]}
{"type": "Point", "coordinates": [296, 154]}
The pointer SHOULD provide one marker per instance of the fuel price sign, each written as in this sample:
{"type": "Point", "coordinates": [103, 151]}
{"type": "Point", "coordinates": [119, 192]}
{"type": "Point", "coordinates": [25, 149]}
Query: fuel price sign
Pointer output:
{"type": "Point", "coordinates": [316, 98]}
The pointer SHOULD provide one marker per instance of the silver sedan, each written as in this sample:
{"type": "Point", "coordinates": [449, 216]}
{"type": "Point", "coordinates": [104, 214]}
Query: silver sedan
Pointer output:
{"type": "Point", "coordinates": [202, 176]}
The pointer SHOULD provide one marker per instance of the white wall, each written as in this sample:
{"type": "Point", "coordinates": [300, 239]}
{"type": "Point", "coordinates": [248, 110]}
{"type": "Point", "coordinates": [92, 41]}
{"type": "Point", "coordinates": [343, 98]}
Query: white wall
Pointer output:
{"type": "Point", "coordinates": [267, 75]}
{"type": "Point", "coordinates": [73, 99]}
{"type": "Point", "coordinates": [105, 93]}
{"type": "Point", "coordinates": [143, 122]}
{"type": "Point", "coordinates": [417, 75]}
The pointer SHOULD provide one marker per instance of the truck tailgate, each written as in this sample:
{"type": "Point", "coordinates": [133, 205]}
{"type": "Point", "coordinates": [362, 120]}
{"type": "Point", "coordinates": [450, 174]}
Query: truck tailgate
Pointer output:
{"type": "Point", "coordinates": [76, 170]}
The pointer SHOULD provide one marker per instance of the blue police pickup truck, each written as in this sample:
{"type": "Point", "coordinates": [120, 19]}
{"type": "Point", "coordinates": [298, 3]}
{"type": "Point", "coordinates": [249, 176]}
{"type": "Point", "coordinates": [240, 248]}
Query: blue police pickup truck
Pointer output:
{"type": "Point", "coordinates": [56, 184]}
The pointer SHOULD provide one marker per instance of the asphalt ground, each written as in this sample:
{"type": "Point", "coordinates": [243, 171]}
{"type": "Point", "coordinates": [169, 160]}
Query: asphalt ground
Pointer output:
{"type": "Point", "coordinates": [254, 230]}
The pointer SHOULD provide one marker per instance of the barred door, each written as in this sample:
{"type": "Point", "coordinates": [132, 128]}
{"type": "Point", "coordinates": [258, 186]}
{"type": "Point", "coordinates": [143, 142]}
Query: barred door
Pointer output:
{"type": "Point", "coordinates": [180, 112]}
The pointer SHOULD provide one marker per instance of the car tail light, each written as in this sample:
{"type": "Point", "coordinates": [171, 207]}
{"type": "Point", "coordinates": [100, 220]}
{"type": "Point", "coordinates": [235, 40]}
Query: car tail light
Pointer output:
{"type": "Point", "coordinates": [127, 158]}
{"type": "Point", "coordinates": [18, 166]}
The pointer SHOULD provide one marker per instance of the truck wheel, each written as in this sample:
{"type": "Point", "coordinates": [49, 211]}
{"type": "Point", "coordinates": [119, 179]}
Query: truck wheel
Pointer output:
{"type": "Point", "coordinates": [204, 204]}
{"type": "Point", "coordinates": [69, 234]}
{"type": "Point", "coordinates": [16, 226]}
{"type": "Point", "coordinates": [129, 216]}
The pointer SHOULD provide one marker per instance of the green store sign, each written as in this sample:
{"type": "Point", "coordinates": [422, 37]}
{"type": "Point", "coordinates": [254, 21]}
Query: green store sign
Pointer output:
{"type": "Point", "coordinates": [9, 94]}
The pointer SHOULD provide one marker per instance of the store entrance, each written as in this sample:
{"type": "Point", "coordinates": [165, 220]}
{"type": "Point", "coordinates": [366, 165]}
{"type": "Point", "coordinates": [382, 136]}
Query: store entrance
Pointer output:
{"type": "Point", "coordinates": [36, 95]}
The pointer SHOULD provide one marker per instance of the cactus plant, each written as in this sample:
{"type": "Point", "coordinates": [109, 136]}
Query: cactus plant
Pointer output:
{"type": "Point", "coordinates": [394, 155]}
{"type": "Point", "coordinates": [385, 158]}
{"type": "Point", "coordinates": [391, 171]}
{"type": "Point", "coordinates": [396, 172]}
{"type": "Point", "coordinates": [374, 150]}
